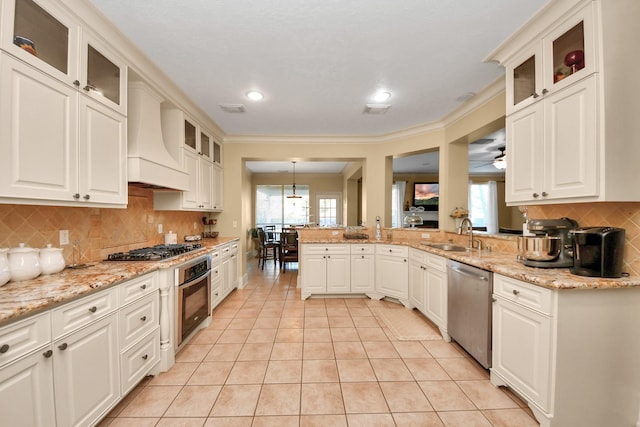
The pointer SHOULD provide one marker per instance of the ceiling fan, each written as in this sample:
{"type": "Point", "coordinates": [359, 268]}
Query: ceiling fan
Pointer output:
{"type": "Point", "coordinates": [499, 161]}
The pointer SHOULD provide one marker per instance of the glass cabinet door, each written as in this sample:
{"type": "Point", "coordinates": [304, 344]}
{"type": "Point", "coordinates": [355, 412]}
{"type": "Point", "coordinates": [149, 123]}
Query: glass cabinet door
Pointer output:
{"type": "Point", "coordinates": [205, 145]}
{"type": "Point", "coordinates": [103, 76]}
{"type": "Point", "coordinates": [524, 80]}
{"type": "Point", "coordinates": [45, 38]}
{"type": "Point", "coordinates": [217, 153]}
{"type": "Point", "coordinates": [568, 53]}
{"type": "Point", "coordinates": [189, 135]}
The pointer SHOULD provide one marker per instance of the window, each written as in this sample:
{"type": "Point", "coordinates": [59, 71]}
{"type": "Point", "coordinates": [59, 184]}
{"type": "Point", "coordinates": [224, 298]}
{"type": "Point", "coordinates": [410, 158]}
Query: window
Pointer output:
{"type": "Point", "coordinates": [329, 209]}
{"type": "Point", "coordinates": [483, 206]}
{"type": "Point", "coordinates": [274, 208]}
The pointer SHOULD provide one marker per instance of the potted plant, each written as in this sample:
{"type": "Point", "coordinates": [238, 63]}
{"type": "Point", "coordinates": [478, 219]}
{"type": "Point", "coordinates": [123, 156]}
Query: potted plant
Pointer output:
{"type": "Point", "coordinates": [253, 232]}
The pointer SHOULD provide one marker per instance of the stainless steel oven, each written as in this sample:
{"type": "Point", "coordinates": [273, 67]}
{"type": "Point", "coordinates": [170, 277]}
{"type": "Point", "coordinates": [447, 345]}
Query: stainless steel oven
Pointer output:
{"type": "Point", "coordinates": [193, 296]}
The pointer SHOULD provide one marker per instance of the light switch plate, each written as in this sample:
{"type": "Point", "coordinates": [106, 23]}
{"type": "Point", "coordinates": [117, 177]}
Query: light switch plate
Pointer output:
{"type": "Point", "coordinates": [426, 235]}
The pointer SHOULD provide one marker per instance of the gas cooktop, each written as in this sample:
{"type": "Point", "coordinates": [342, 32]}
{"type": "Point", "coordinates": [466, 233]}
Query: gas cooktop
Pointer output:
{"type": "Point", "coordinates": [154, 253]}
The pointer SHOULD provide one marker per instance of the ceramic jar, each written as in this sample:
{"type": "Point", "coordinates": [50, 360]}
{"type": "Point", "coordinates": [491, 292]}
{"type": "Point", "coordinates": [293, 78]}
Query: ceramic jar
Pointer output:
{"type": "Point", "coordinates": [5, 273]}
{"type": "Point", "coordinates": [51, 260]}
{"type": "Point", "coordinates": [24, 263]}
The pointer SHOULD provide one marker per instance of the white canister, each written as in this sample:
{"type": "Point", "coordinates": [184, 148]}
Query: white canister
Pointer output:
{"type": "Point", "coordinates": [5, 273]}
{"type": "Point", "coordinates": [51, 260]}
{"type": "Point", "coordinates": [24, 263]}
{"type": "Point", "coordinates": [170, 238]}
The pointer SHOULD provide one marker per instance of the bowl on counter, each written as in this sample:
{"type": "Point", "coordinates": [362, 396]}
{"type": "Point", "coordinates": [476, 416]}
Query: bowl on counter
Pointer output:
{"type": "Point", "coordinates": [24, 263]}
{"type": "Point", "coordinates": [51, 260]}
{"type": "Point", "coordinates": [539, 248]}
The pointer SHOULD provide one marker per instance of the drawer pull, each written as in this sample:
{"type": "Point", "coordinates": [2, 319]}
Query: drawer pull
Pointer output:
{"type": "Point", "coordinates": [143, 318]}
{"type": "Point", "coordinates": [48, 353]}
{"type": "Point", "coordinates": [93, 309]}
{"type": "Point", "coordinates": [390, 250]}
{"type": "Point", "coordinates": [362, 256]}
{"type": "Point", "coordinates": [145, 357]}
{"type": "Point", "coordinates": [4, 348]}
{"type": "Point", "coordinates": [516, 292]}
{"type": "Point", "coordinates": [143, 287]}
{"type": "Point", "coordinates": [63, 346]}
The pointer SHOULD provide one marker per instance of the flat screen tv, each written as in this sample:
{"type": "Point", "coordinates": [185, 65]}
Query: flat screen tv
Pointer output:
{"type": "Point", "coordinates": [426, 195]}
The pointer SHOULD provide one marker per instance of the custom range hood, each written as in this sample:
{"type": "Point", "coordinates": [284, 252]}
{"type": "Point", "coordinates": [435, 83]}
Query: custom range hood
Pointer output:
{"type": "Point", "coordinates": [150, 162]}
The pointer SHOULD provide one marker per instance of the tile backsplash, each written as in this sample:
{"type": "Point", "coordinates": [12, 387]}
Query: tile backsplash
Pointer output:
{"type": "Point", "coordinates": [98, 231]}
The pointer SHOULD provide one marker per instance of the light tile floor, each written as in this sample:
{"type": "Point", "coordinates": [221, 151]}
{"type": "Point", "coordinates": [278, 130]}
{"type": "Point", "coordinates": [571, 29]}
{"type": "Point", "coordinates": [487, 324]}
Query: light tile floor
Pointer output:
{"type": "Point", "coordinates": [270, 359]}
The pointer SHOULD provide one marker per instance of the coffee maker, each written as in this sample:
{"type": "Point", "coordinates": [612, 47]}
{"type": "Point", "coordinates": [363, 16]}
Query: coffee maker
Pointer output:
{"type": "Point", "coordinates": [598, 251]}
{"type": "Point", "coordinates": [556, 229]}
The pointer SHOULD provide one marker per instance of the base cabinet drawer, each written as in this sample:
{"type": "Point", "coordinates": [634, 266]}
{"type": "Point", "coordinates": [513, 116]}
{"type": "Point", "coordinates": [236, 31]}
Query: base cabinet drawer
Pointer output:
{"type": "Point", "coordinates": [77, 314]}
{"type": "Point", "coordinates": [137, 319]}
{"type": "Point", "coordinates": [139, 359]}
{"type": "Point", "coordinates": [22, 337]}
{"type": "Point", "coordinates": [138, 287]}
{"type": "Point", "coordinates": [528, 295]}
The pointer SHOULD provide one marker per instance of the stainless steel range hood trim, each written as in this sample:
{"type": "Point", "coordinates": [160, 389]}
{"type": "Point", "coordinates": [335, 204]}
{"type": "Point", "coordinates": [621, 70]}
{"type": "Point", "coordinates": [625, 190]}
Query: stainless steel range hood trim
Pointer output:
{"type": "Point", "coordinates": [149, 161]}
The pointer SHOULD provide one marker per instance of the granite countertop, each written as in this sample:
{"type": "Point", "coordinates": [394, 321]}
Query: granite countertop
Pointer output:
{"type": "Point", "coordinates": [506, 264]}
{"type": "Point", "coordinates": [44, 292]}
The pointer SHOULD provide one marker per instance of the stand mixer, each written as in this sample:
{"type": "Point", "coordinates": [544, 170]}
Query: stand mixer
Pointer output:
{"type": "Point", "coordinates": [550, 246]}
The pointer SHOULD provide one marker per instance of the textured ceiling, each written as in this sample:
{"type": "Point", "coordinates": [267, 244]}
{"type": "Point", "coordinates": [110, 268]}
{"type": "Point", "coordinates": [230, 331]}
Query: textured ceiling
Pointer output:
{"type": "Point", "coordinates": [318, 62]}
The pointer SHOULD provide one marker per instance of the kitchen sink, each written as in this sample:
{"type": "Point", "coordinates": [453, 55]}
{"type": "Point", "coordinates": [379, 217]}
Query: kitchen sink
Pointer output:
{"type": "Point", "coordinates": [450, 247]}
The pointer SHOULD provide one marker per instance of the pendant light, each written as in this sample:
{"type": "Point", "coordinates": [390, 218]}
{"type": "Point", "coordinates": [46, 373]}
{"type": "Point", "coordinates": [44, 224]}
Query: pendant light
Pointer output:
{"type": "Point", "coordinates": [294, 196]}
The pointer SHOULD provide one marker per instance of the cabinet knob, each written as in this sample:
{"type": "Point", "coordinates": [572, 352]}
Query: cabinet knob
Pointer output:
{"type": "Point", "coordinates": [534, 95]}
{"type": "Point", "coordinates": [328, 256]}
{"type": "Point", "coordinates": [63, 346]}
{"type": "Point", "coordinates": [4, 348]}
{"type": "Point", "coordinates": [145, 357]}
{"type": "Point", "coordinates": [535, 195]}
{"type": "Point", "coordinates": [516, 292]}
{"type": "Point", "coordinates": [544, 194]}
{"type": "Point", "coordinates": [143, 318]}
{"type": "Point", "coordinates": [404, 260]}
{"type": "Point", "coordinates": [545, 91]}
{"type": "Point", "coordinates": [390, 250]}
{"type": "Point", "coordinates": [93, 309]}
{"type": "Point", "coordinates": [76, 196]}
{"type": "Point", "coordinates": [493, 300]}
{"type": "Point", "coordinates": [48, 353]}
{"type": "Point", "coordinates": [86, 197]}
{"type": "Point", "coordinates": [76, 83]}
{"type": "Point", "coordinates": [87, 88]}
{"type": "Point", "coordinates": [143, 286]}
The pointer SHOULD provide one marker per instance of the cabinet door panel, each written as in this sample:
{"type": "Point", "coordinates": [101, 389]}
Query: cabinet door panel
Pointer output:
{"type": "Point", "coordinates": [87, 373]}
{"type": "Point", "coordinates": [338, 273]}
{"type": "Point", "coordinates": [436, 297]}
{"type": "Point", "coordinates": [26, 392]}
{"type": "Point", "coordinates": [392, 276]}
{"type": "Point", "coordinates": [521, 344]}
{"type": "Point", "coordinates": [190, 164]}
{"type": "Point", "coordinates": [571, 141]}
{"type": "Point", "coordinates": [38, 133]}
{"type": "Point", "coordinates": [314, 274]}
{"type": "Point", "coordinates": [524, 153]}
{"type": "Point", "coordinates": [103, 155]}
{"type": "Point", "coordinates": [417, 285]}
{"type": "Point", "coordinates": [362, 273]}
{"type": "Point", "coordinates": [206, 184]}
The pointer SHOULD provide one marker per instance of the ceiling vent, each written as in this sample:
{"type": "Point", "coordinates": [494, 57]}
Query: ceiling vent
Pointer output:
{"type": "Point", "coordinates": [233, 108]}
{"type": "Point", "coordinates": [376, 108]}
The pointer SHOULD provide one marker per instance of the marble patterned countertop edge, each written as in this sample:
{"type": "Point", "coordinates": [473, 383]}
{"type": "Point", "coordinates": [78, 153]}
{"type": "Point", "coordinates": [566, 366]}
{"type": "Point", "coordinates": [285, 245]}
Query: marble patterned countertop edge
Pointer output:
{"type": "Point", "coordinates": [20, 299]}
{"type": "Point", "coordinates": [506, 264]}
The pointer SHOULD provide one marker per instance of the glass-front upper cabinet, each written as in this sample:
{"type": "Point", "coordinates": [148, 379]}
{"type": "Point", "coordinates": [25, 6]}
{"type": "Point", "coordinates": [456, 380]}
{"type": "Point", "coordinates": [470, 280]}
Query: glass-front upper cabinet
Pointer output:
{"type": "Point", "coordinates": [205, 145]}
{"type": "Point", "coordinates": [566, 54]}
{"type": "Point", "coordinates": [217, 153]}
{"type": "Point", "coordinates": [46, 36]}
{"type": "Point", "coordinates": [190, 135]}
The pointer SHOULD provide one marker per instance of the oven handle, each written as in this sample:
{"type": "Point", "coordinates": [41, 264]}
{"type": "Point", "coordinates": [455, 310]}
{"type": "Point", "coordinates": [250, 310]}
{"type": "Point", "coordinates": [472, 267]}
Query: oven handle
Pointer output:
{"type": "Point", "coordinates": [193, 279]}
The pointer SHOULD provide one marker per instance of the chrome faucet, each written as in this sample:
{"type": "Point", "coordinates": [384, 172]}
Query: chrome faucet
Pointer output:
{"type": "Point", "coordinates": [469, 229]}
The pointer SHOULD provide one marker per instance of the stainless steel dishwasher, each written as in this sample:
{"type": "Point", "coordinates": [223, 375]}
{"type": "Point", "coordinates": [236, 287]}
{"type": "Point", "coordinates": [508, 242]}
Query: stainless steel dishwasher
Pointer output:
{"type": "Point", "coordinates": [469, 309]}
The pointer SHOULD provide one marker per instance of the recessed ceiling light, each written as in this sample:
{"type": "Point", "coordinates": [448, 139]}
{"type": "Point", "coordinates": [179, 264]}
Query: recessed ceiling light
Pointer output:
{"type": "Point", "coordinates": [254, 95]}
{"type": "Point", "coordinates": [381, 96]}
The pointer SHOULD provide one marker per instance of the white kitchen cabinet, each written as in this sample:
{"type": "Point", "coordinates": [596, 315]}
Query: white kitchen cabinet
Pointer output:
{"type": "Point", "coordinates": [428, 287]}
{"type": "Point", "coordinates": [555, 348]}
{"type": "Point", "coordinates": [363, 268]}
{"type": "Point", "coordinates": [553, 147]}
{"type": "Point", "coordinates": [229, 268]}
{"type": "Point", "coordinates": [217, 189]}
{"type": "Point", "coordinates": [539, 69]}
{"type": "Point", "coordinates": [326, 269]}
{"type": "Point", "coordinates": [83, 162]}
{"type": "Point", "coordinates": [26, 379]}
{"type": "Point", "coordinates": [392, 272]}
{"type": "Point", "coordinates": [86, 372]}
{"type": "Point", "coordinates": [200, 159]}
{"type": "Point", "coordinates": [26, 390]}
{"type": "Point", "coordinates": [567, 122]}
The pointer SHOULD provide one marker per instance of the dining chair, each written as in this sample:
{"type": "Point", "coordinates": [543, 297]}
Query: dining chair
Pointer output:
{"type": "Point", "coordinates": [269, 250]}
{"type": "Point", "coordinates": [288, 248]}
